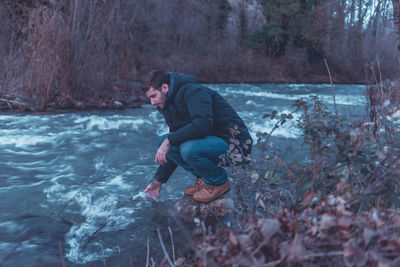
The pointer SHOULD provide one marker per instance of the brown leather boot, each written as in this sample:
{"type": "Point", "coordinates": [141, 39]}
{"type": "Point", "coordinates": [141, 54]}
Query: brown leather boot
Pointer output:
{"type": "Point", "coordinates": [193, 189]}
{"type": "Point", "coordinates": [209, 192]}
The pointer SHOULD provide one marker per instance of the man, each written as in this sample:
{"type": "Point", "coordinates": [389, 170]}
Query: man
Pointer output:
{"type": "Point", "coordinates": [200, 123]}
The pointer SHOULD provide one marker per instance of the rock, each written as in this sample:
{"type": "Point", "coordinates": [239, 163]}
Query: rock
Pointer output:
{"type": "Point", "coordinates": [189, 209]}
{"type": "Point", "coordinates": [117, 103]}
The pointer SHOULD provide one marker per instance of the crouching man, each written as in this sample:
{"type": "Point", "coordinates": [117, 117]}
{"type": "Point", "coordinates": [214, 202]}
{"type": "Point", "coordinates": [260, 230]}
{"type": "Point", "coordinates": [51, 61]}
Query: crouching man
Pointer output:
{"type": "Point", "coordinates": [200, 123]}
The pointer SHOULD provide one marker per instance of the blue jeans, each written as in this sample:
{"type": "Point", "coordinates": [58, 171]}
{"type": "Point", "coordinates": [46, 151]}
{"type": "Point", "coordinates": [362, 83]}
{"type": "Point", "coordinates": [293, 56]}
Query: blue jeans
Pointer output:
{"type": "Point", "coordinates": [201, 158]}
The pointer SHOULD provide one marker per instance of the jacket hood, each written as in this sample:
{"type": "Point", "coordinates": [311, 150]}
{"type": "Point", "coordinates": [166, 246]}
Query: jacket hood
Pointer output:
{"type": "Point", "coordinates": [176, 81]}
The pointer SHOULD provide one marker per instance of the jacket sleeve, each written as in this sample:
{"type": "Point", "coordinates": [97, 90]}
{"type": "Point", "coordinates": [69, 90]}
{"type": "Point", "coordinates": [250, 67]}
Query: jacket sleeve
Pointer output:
{"type": "Point", "coordinates": [199, 105]}
{"type": "Point", "coordinates": [165, 171]}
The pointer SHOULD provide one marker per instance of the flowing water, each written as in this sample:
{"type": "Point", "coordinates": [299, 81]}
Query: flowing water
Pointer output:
{"type": "Point", "coordinates": [67, 181]}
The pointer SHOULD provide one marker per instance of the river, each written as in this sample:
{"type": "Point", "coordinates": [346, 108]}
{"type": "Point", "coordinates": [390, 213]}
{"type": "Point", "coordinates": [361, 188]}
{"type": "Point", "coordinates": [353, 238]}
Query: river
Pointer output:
{"type": "Point", "coordinates": [67, 180]}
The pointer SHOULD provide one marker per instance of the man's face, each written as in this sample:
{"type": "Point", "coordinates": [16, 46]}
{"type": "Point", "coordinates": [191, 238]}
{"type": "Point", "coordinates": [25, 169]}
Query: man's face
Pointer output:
{"type": "Point", "coordinates": [158, 97]}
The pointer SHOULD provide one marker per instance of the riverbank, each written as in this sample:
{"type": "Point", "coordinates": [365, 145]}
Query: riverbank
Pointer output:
{"type": "Point", "coordinates": [120, 96]}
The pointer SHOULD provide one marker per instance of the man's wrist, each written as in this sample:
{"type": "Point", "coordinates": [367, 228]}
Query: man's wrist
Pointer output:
{"type": "Point", "coordinates": [167, 141]}
{"type": "Point", "coordinates": [156, 183]}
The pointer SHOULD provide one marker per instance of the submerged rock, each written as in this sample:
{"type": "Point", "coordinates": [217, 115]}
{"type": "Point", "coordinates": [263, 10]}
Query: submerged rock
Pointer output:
{"type": "Point", "coordinates": [188, 208]}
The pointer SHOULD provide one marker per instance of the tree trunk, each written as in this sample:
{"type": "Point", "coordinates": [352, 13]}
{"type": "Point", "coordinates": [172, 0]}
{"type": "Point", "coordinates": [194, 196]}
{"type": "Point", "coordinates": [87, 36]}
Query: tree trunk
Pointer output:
{"type": "Point", "coordinates": [396, 18]}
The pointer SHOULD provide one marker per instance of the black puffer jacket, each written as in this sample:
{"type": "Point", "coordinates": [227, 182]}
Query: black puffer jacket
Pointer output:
{"type": "Point", "coordinates": [193, 111]}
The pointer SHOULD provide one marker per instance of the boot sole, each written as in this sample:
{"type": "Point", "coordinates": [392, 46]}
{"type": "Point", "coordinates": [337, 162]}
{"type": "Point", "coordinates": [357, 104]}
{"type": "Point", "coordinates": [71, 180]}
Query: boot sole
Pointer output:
{"type": "Point", "coordinates": [186, 194]}
{"type": "Point", "coordinates": [208, 201]}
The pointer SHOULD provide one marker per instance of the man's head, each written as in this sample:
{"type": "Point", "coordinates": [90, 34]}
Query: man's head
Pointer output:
{"type": "Point", "coordinates": [156, 87]}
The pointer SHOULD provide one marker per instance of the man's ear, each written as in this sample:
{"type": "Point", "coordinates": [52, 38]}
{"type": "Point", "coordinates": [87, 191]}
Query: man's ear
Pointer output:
{"type": "Point", "coordinates": [165, 87]}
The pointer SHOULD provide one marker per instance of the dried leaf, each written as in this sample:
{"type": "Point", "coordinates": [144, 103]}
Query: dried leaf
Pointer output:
{"type": "Point", "coordinates": [344, 222]}
{"type": "Point", "coordinates": [395, 218]}
{"type": "Point", "coordinates": [360, 257]}
{"type": "Point", "coordinates": [266, 116]}
{"type": "Point", "coordinates": [345, 233]}
{"type": "Point", "coordinates": [232, 239]}
{"type": "Point", "coordinates": [351, 248]}
{"type": "Point", "coordinates": [314, 230]}
{"type": "Point", "coordinates": [343, 186]}
{"type": "Point", "coordinates": [347, 249]}
{"type": "Point", "coordinates": [268, 227]}
{"type": "Point", "coordinates": [341, 210]}
{"type": "Point", "coordinates": [368, 234]}
{"type": "Point", "coordinates": [296, 251]}
{"type": "Point", "coordinates": [375, 218]}
{"type": "Point", "coordinates": [327, 222]}
{"type": "Point", "coordinates": [244, 241]}
{"type": "Point", "coordinates": [293, 226]}
{"type": "Point", "coordinates": [393, 245]}
{"type": "Point", "coordinates": [309, 197]}
{"type": "Point", "coordinates": [274, 114]}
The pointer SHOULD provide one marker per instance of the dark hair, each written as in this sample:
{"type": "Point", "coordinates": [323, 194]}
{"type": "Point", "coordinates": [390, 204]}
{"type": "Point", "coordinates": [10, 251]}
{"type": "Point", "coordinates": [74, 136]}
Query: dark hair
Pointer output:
{"type": "Point", "coordinates": [155, 79]}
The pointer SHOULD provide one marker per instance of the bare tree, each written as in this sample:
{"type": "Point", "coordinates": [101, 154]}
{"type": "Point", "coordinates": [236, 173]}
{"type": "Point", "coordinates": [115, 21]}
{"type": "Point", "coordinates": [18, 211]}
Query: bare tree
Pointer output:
{"type": "Point", "coordinates": [396, 17]}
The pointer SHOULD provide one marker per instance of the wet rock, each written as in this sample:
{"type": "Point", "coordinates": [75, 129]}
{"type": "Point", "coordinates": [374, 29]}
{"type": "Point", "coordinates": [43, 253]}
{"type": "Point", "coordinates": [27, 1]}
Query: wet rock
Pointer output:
{"type": "Point", "coordinates": [117, 103]}
{"type": "Point", "coordinates": [188, 208]}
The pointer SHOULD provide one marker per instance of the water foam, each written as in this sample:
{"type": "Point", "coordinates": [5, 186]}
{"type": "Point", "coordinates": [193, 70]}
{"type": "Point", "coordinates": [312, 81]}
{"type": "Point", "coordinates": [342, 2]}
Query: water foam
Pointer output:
{"type": "Point", "coordinates": [11, 187]}
{"type": "Point", "coordinates": [23, 141]}
{"type": "Point", "coordinates": [288, 130]}
{"type": "Point", "coordinates": [10, 227]}
{"type": "Point", "coordinates": [144, 196]}
{"type": "Point", "coordinates": [252, 103]}
{"type": "Point", "coordinates": [157, 119]}
{"type": "Point", "coordinates": [102, 211]}
{"type": "Point", "coordinates": [119, 181]}
{"type": "Point", "coordinates": [340, 98]}
{"type": "Point", "coordinates": [95, 122]}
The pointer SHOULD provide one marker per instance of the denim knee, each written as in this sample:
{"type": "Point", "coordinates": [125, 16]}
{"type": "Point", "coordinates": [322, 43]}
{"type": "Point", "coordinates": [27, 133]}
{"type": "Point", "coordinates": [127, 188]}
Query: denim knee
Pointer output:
{"type": "Point", "coordinates": [187, 150]}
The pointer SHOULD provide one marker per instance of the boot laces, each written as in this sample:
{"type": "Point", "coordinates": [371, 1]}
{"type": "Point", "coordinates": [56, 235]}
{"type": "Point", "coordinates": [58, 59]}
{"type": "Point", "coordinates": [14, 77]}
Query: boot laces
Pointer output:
{"type": "Point", "coordinates": [198, 184]}
{"type": "Point", "coordinates": [210, 188]}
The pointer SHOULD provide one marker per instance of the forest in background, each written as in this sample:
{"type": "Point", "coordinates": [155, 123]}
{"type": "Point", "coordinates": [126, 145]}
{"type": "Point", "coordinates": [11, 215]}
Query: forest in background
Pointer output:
{"type": "Point", "coordinates": [73, 54]}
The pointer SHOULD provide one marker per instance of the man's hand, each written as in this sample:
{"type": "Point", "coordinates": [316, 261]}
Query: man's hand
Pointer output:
{"type": "Point", "coordinates": [153, 190]}
{"type": "Point", "coordinates": [161, 156]}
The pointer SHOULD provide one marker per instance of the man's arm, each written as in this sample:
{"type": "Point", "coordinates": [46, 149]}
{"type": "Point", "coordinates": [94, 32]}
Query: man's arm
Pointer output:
{"type": "Point", "coordinates": [161, 156]}
{"type": "Point", "coordinates": [199, 105]}
{"type": "Point", "coordinates": [162, 175]}
{"type": "Point", "coordinates": [164, 172]}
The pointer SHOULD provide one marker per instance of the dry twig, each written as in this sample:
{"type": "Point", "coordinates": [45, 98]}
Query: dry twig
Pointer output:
{"type": "Point", "coordinates": [172, 244]}
{"type": "Point", "coordinates": [61, 254]}
{"type": "Point", "coordinates": [164, 249]}
{"type": "Point", "coordinates": [148, 253]}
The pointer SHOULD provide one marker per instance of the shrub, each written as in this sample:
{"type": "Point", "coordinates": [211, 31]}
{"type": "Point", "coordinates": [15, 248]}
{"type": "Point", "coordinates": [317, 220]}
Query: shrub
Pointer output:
{"type": "Point", "coordinates": [337, 206]}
